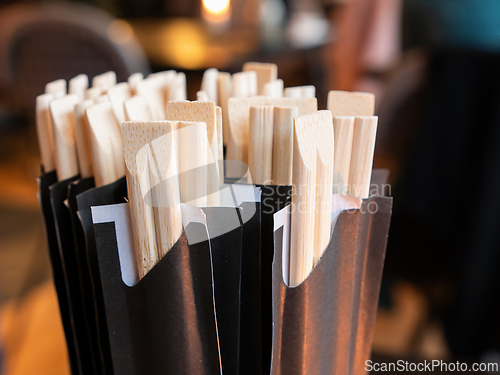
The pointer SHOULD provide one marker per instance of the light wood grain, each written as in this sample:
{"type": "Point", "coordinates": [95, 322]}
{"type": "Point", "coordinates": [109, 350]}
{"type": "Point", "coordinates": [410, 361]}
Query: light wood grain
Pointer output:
{"type": "Point", "coordinates": [133, 79]}
{"type": "Point", "coordinates": [300, 92]}
{"type": "Point", "coordinates": [93, 93]}
{"type": "Point", "coordinates": [78, 85]}
{"type": "Point", "coordinates": [193, 150]}
{"type": "Point", "coordinates": [209, 84]}
{"type": "Point", "coordinates": [56, 88]}
{"type": "Point", "coordinates": [63, 118]}
{"type": "Point", "coordinates": [345, 103]}
{"type": "Point", "coordinates": [203, 112]}
{"type": "Point", "coordinates": [363, 147]}
{"type": "Point", "coordinates": [104, 81]}
{"type": "Point", "coordinates": [202, 96]}
{"type": "Point", "coordinates": [311, 192]}
{"type": "Point", "coordinates": [178, 88]}
{"type": "Point", "coordinates": [137, 109]}
{"type": "Point", "coordinates": [154, 91]}
{"type": "Point", "coordinates": [45, 133]}
{"type": "Point", "coordinates": [238, 114]}
{"type": "Point", "coordinates": [150, 157]}
{"type": "Point", "coordinates": [260, 147]}
{"type": "Point", "coordinates": [266, 72]}
{"type": "Point", "coordinates": [244, 84]}
{"type": "Point", "coordinates": [343, 130]}
{"type": "Point", "coordinates": [117, 95]}
{"type": "Point", "coordinates": [283, 144]}
{"type": "Point", "coordinates": [274, 88]}
{"type": "Point", "coordinates": [225, 88]}
{"type": "Point", "coordinates": [107, 144]}
{"type": "Point", "coordinates": [83, 146]}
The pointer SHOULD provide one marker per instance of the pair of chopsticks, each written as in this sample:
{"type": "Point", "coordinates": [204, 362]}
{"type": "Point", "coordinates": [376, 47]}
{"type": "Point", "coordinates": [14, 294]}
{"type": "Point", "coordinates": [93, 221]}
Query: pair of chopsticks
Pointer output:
{"type": "Point", "coordinates": [332, 151]}
{"type": "Point", "coordinates": [170, 162]}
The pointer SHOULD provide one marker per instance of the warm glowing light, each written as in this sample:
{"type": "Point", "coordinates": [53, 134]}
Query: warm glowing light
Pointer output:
{"type": "Point", "coordinates": [216, 6]}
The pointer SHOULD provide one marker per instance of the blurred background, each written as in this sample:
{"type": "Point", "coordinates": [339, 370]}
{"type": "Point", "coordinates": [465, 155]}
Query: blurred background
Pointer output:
{"type": "Point", "coordinates": [434, 66]}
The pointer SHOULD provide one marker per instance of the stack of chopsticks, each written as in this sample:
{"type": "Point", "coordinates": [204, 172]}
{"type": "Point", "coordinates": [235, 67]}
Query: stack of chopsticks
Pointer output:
{"type": "Point", "coordinates": [170, 149]}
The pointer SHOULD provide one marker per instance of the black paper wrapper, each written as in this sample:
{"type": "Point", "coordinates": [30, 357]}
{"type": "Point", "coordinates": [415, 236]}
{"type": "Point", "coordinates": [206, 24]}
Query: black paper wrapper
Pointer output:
{"type": "Point", "coordinates": [58, 268]}
{"type": "Point", "coordinates": [113, 193]}
{"type": "Point", "coordinates": [325, 325]}
{"type": "Point", "coordinates": [165, 324]}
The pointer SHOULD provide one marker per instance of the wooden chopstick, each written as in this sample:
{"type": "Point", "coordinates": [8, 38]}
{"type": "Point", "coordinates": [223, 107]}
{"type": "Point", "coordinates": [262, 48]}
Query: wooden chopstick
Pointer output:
{"type": "Point", "coordinates": [106, 142]}
{"type": "Point", "coordinates": [209, 84]}
{"type": "Point", "coordinates": [345, 103]}
{"type": "Point", "coordinates": [300, 92]}
{"type": "Point", "coordinates": [283, 144]}
{"type": "Point", "coordinates": [150, 157]}
{"type": "Point", "coordinates": [45, 132]}
{"type": "Point", "coordinates": [260, 146]}
{"type": "Point", "coordinates": [83, 146]}
{"type": "Point", "coordinates": [104, 81]}
{"type": "Point", "coordinates": [137, 109]}
{"type": "Point", "coordinates": [363, 147]}
{"type": "Point", "coordinates": [78, 85]}
{"type": "Point", "coordinates": [224, 90]}
{"type": "Point", "coordinates": [63, 118]}
{"type": "Point", "coordinates": [311, 192]}
{"type": "Point", "coordinates": [244, 84]}
{"type": "Point", "coordinates": [56, 88]}
{"type": "Point", "coordinates": [274, 89]}
{"type": "Point", "coordinates": [204, 112]}
{"type": "Point", "coordinates": [343, 129]}
{"type": "Point", "coordinates": [266, 72]}
{"type": "Point", "coordinates": [117, 95]}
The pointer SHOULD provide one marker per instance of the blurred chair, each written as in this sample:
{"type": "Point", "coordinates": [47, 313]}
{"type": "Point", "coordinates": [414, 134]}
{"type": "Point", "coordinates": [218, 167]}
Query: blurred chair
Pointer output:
{"type": "Point", "coordinates": [41, 43]}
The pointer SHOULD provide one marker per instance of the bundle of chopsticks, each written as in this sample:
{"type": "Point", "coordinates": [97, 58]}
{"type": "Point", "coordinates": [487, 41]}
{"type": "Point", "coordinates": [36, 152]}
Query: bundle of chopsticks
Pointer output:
{"type": "Point", "coordinates": [171, 149]}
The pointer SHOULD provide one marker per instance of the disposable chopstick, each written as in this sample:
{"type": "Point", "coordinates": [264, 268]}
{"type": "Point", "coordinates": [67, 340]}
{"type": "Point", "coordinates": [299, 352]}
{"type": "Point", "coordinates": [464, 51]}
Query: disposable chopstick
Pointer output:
{"type": "Point", "coordinates": [78, 85]}
{"type": "Point", "coordinates": [274, 89]}
{"type": "Point", "coordinates": [300, 92]}
{"type": "Point", "coordinates": [192, 151]}
{"type": "Point", "coordinates": [224, 90]}
{"type": "Point", "coordinates": [204, 112]}
{"type": "Point", "coordinates": [104, 81]}
{"type": "Point", "coordinates": [56, 88]}
{"type": "Point", "coordinates": [45, 132]}
{"type": "Point", "coordinates": [106, 142]}
{"type": "Point", "coordinates": [209, 84]}
{"type": "Point", "coordinates": [178, 87]}
{"type": "Point", "coordinates": [344, 103]}
{"type": "Point", "coordinates": [266, 72]}
{"type": "Point", "coordinates": [133, 79]}
{"type": "Point", "coordinates": [166, 78]}
{"type": "Point", "coordinates": [220, 145]}
{"type": "Point", "coordinates": [311, 192]}
{"type": "Point", "coordinates": [117, 96]}
{"type": "Point", "coordinates": [93, 92]}
{"type": "Point", "coordinates": [82, 138]}
{"type": "Point", "coordinates": [202, 96]}
{"type": "Point", "coordinates": [154, 91]}
{"type": "Point", "coordinates": [63, 118]}
{"type": "Point", "coordinates": [343, 129]}
{"type": "Point", "coordinates": [283, 144]}
{"type": "Point", "coordinates": [324, 178]}
{"type": "Point", "coordinates": [150, 157]}
{"type": "Point", "coordinates": [363, 147]}
{"type": "Point", "coordinates": [244, 84]}
{"type": "Point", "coordinates": [238, 115]}
{"type": "Point", "coordinates": [260, 147]}
{"type": "Point", "coordinates": [137, 109]}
